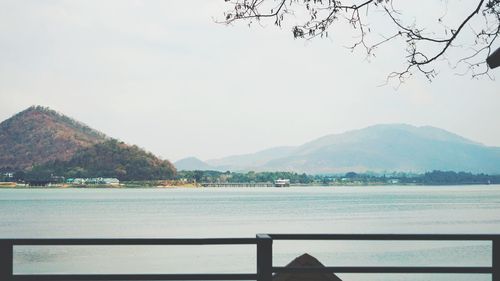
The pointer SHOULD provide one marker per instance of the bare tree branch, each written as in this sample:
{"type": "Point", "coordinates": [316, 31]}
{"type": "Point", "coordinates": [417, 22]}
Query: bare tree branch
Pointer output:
{"type": "Point", "coordinates": [321, 15]}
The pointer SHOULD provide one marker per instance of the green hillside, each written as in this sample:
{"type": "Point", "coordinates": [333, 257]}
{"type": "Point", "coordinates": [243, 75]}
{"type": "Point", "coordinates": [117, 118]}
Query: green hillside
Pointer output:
{"type": "Point", "coordinates": [111, 158]}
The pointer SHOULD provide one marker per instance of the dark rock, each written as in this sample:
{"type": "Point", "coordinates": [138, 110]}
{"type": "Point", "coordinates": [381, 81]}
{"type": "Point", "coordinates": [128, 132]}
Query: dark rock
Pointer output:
{"type": "Point", "coordinates": [305, 261]}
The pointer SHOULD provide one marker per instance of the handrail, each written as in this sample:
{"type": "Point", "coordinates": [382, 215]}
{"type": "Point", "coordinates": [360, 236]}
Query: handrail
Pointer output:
{"type": "Point", "coordinates": [383, 269]}
{"type": "Point", "coordinates": [494, 270]}
{"type": "Point", "coordinates": [135, 277]}
{"type": "Point", "coordinates": [131, 241]}
{"type": "Point", "coordinates": [7, 246]}
{"type": "Point", "coordinates": [264, 268]}
{"type": "Point", "coordinates": [373, 237]}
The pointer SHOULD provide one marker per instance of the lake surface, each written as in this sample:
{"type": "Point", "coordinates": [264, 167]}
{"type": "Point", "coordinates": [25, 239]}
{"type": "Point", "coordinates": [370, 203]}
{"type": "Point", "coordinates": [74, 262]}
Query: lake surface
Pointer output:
{"type": "Point", "coordinates": [243, 212]}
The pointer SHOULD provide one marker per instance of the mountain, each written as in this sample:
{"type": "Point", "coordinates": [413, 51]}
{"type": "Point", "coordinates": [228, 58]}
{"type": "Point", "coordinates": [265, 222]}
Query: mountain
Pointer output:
{"type": "Point", "coordinates": [246, 161]}
{"type": "Point", "coordinates": [43, 142]}
{"type": "Point", "coordinates": [191, 164]}
{"type": "Point", "coordinates": [39, 134]}
{"type": "Point", "coordinates": [379, 148]}
{"type": "Point", "coordinates": [111, 158]}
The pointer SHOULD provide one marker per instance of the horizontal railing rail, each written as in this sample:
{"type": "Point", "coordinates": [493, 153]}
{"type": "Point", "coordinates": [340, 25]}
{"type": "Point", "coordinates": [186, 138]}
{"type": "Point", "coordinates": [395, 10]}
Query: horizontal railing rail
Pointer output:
{"type": "Point", "coordinates": [128, 277]}
{"type": "Point", "coordinates": [414, 237]}
{"type": "Point", "coordinates": [132, 241]}
{"type": "Point", "coordinates": [264, 246]}
{"type": "Point", "coordinates": [7, 248]}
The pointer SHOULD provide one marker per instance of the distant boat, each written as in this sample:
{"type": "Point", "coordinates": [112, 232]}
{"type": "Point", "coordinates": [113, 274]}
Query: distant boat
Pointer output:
{"type": "Point", "coordinates": [282, 183]}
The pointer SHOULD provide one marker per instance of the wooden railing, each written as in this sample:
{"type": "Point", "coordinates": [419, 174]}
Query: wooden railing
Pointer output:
{"type": "Point", "coordinates": [265, 268]}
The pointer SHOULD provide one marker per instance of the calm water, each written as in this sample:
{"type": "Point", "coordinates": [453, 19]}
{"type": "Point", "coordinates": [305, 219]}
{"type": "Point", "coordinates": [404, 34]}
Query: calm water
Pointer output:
{"type": "Point", "coordinates": [224, 212]}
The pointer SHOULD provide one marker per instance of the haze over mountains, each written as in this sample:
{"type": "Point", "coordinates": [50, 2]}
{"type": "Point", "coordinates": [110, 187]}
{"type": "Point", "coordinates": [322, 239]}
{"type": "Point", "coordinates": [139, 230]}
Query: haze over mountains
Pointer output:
{"type": "Point", "coordinates": [192, 163]}
{"type": "Point", "coordinates": [41, 137]}
{"type": "Point", "coordinates": [379, 148]}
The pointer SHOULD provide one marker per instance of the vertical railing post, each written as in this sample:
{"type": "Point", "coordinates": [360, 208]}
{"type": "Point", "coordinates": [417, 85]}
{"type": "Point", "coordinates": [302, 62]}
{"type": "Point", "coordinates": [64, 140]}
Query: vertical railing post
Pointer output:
{"type": "Point", "coordinates": [264, 257]}
{"type": "Point", "coordinates": [6, 259]}
{"type": "Point", "coordinates": [495, 259]}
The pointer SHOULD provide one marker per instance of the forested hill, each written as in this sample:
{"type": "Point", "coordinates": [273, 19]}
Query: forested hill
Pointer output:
{"type": "Point", "coordinates": [111, 158]}
{"type": "Point", "coordinates": [39, 143]}
{"type": "Point", "coordinates": [39, 134]}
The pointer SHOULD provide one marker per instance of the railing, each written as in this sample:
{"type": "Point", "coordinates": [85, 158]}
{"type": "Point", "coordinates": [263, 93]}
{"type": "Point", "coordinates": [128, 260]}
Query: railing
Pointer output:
{"type": "Point", "coordinates": [494, 270]}
{"type": "Point", "coordinates": [265, 268]}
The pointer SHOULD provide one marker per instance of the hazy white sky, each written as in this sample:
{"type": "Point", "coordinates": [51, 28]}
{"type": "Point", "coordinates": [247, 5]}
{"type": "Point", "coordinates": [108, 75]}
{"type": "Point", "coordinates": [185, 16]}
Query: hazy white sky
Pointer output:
{"type": "Point", "coordinates": [164, 76]}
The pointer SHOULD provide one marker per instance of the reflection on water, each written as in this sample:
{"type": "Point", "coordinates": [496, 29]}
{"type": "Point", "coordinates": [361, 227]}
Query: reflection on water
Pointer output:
{"type": "Point", "coordinates": [96, 213]}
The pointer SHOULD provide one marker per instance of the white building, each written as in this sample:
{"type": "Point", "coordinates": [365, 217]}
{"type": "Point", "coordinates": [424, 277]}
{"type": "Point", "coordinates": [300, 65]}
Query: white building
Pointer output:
{"type": "Point", "coordinates": [282, 183]}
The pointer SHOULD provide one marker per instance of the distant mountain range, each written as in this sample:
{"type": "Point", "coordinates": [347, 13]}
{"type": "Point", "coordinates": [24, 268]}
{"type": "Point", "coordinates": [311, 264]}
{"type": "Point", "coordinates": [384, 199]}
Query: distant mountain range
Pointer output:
{"type": "Point", "coordinates": [192, 163]}
{"type": "Point", "coordinates": [44, 142]}
{"type": "Point", "coordinates": [379, 148]}
{"type": "Point", "coordinates": [54, 143]}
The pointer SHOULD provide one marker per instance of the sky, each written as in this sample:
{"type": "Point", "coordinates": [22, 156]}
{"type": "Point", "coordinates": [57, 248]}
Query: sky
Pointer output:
{"type": "Point", "coordinates": [165, 76]}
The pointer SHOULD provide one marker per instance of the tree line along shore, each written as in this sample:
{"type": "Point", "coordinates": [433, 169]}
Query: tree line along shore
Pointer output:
{"type": "Point", "coordinates": [200, 178]}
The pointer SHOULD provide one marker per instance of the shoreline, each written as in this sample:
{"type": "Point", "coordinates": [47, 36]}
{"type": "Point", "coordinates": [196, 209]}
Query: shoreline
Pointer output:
{"type": "Point", "coordinates": [193, 186]}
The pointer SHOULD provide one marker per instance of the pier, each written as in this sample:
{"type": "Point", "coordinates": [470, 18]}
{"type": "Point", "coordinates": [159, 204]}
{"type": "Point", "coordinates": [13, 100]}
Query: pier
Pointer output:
{"type": "Point", "coordinates": [244, 184]}
{"type": "Point", "coordinates": [264, 262]}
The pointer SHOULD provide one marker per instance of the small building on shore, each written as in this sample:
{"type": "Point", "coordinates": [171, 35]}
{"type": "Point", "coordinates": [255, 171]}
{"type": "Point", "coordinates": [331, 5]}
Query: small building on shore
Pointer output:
{"type": "Point", "coordinates": [93, 181]}
{"type": "Point", "coordinates": [282, 183]}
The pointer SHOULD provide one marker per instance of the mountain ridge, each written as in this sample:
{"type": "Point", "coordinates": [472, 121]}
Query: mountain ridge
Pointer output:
{"type": "Point", "coordinates": [192, 163]}
{"type": "Point", "coordinates": [39, 134]}
{"type": "Point", "coordinates": [44, 142]}
{"type": "Point", "coordinates": [378, 148]}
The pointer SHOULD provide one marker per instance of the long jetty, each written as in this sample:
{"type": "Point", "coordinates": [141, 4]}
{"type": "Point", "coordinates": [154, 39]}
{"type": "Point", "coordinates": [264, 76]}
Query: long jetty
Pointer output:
{"type": "Point", "coordinates": [243, 184]}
